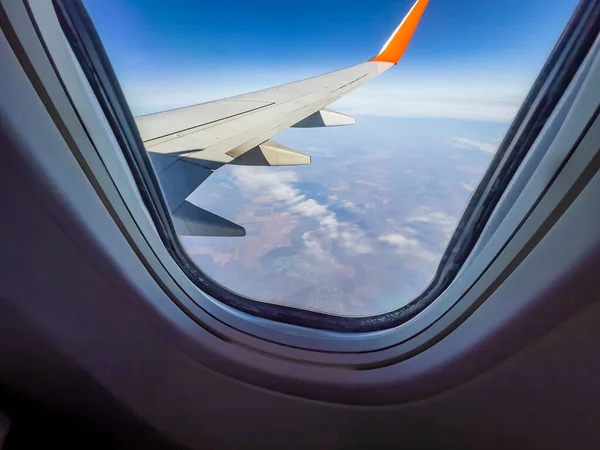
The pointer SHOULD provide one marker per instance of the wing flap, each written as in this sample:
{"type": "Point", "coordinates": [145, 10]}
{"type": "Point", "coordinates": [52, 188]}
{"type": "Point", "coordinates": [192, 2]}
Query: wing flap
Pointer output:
{"type": "Point", "coordinates": [191, 220]}
{"type": "Point", "coordinates": [325, 118]}
{"type": "Point", "coordinates": [178, 178]}
{"type": "Point", "coordinates": [269, 153]}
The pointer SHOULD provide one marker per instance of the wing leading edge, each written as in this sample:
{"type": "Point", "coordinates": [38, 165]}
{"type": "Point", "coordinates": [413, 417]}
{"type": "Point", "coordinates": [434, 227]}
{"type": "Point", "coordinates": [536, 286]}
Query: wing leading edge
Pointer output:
{"type": "Point", "coordinates": [187, 144]}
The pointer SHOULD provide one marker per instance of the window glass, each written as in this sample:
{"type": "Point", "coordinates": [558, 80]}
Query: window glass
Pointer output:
{"type": "Point", "coordinates": [361, 230]}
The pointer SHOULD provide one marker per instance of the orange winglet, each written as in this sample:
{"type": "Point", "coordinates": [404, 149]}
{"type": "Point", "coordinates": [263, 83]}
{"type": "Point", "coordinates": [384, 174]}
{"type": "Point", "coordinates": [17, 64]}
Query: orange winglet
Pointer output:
{"type": "Point", "coordinates": [394, 48]}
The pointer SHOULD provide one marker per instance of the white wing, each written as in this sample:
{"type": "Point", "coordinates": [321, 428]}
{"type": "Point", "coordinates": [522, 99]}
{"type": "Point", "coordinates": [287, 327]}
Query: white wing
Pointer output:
{"type": "Point", "coordinates": [187, 144]}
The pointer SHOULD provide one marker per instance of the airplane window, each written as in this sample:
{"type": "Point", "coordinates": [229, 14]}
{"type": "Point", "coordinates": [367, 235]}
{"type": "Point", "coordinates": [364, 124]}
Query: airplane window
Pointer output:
{"type": "Point", "coordinates": [269, 198]}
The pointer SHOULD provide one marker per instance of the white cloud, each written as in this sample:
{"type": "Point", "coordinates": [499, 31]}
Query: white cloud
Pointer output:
{"type": "Point", "coordinates": [277, 184]}
{"type": "Point", "coordinates": [310, 208]}
{"type": "Point", "coordinates": [259, 178]}
{"type": "Point", "coordinates": [462, 142]}
{"type": "Point", "coordinates": [314, 247]}
{"type": "Point", "coordinates": [350, 206]}
{"type": "Point", "coordinates": [444, 222]}
{"type": "Point", "coordinates": [398, 240]}
{"type": "Point", "coordinates": [409, 247]}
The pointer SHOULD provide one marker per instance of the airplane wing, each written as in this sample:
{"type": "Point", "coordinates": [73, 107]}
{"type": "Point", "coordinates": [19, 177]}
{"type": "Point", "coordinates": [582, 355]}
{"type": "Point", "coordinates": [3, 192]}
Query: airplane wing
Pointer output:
{"type": "Point", "coordinates": [187, 144]}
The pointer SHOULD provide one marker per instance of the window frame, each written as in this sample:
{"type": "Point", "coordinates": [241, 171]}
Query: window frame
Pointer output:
{"type": "Point", "coordinates": [524, 130]}
{"type": "Point", "coordinates": [266, 331]}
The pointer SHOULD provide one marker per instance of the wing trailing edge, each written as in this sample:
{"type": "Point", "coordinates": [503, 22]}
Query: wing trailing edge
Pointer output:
{"type": "Point", "coordinates": [269, 153]}
{"type": "Point", "coordinates": [325, 118]}
{"type": "Point", "coordinates": [178, 178]}
{"type": "Point", "coordinates": [191, 220]}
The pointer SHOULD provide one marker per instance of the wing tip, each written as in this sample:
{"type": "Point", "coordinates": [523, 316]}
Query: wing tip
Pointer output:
{"type": "Point", "coordinates": [394, 48]}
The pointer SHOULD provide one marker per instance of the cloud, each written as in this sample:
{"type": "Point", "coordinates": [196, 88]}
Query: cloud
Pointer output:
{"type": "Point", "coordinates": [278, 186]}
{"type": "Point", "coordinates": [330, 232]}
{"type": "Point", "coordinates": [314, 247]}
{"type": "Point", "coordinates": [398, 240]}
{"type": "Point", "coordinates": [276, 181]}
{"type": "Point", "coordinates": [310, 208]}
{"type": "Point", "coordinates": [462, 142]}
{"type": "Point", "coordinates": [350, 206]}
{"type": "Point", "coordinates": [445, 223]}
{"type": "Point", "coordinates": [409, 247]}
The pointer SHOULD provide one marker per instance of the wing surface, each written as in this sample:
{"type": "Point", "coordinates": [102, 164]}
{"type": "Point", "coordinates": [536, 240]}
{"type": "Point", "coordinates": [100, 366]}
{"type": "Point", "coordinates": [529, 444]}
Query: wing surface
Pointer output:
{"type": "Point", "coordinates": [187, 144]}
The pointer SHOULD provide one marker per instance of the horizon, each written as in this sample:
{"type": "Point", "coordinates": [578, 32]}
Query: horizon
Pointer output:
{"type": "Point", "coordinates": [454, 67]}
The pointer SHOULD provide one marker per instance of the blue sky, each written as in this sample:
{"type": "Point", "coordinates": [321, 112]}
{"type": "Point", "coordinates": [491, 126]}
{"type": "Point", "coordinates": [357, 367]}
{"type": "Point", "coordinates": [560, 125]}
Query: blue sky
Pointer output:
{"type": "Point", "coordinates": [466, 56]}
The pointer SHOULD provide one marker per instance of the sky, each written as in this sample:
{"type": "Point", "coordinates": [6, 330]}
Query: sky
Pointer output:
{"type": "Point", "coordinates": [469, 59]}
{"type": "Point", "coordinates": [362, 229]}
